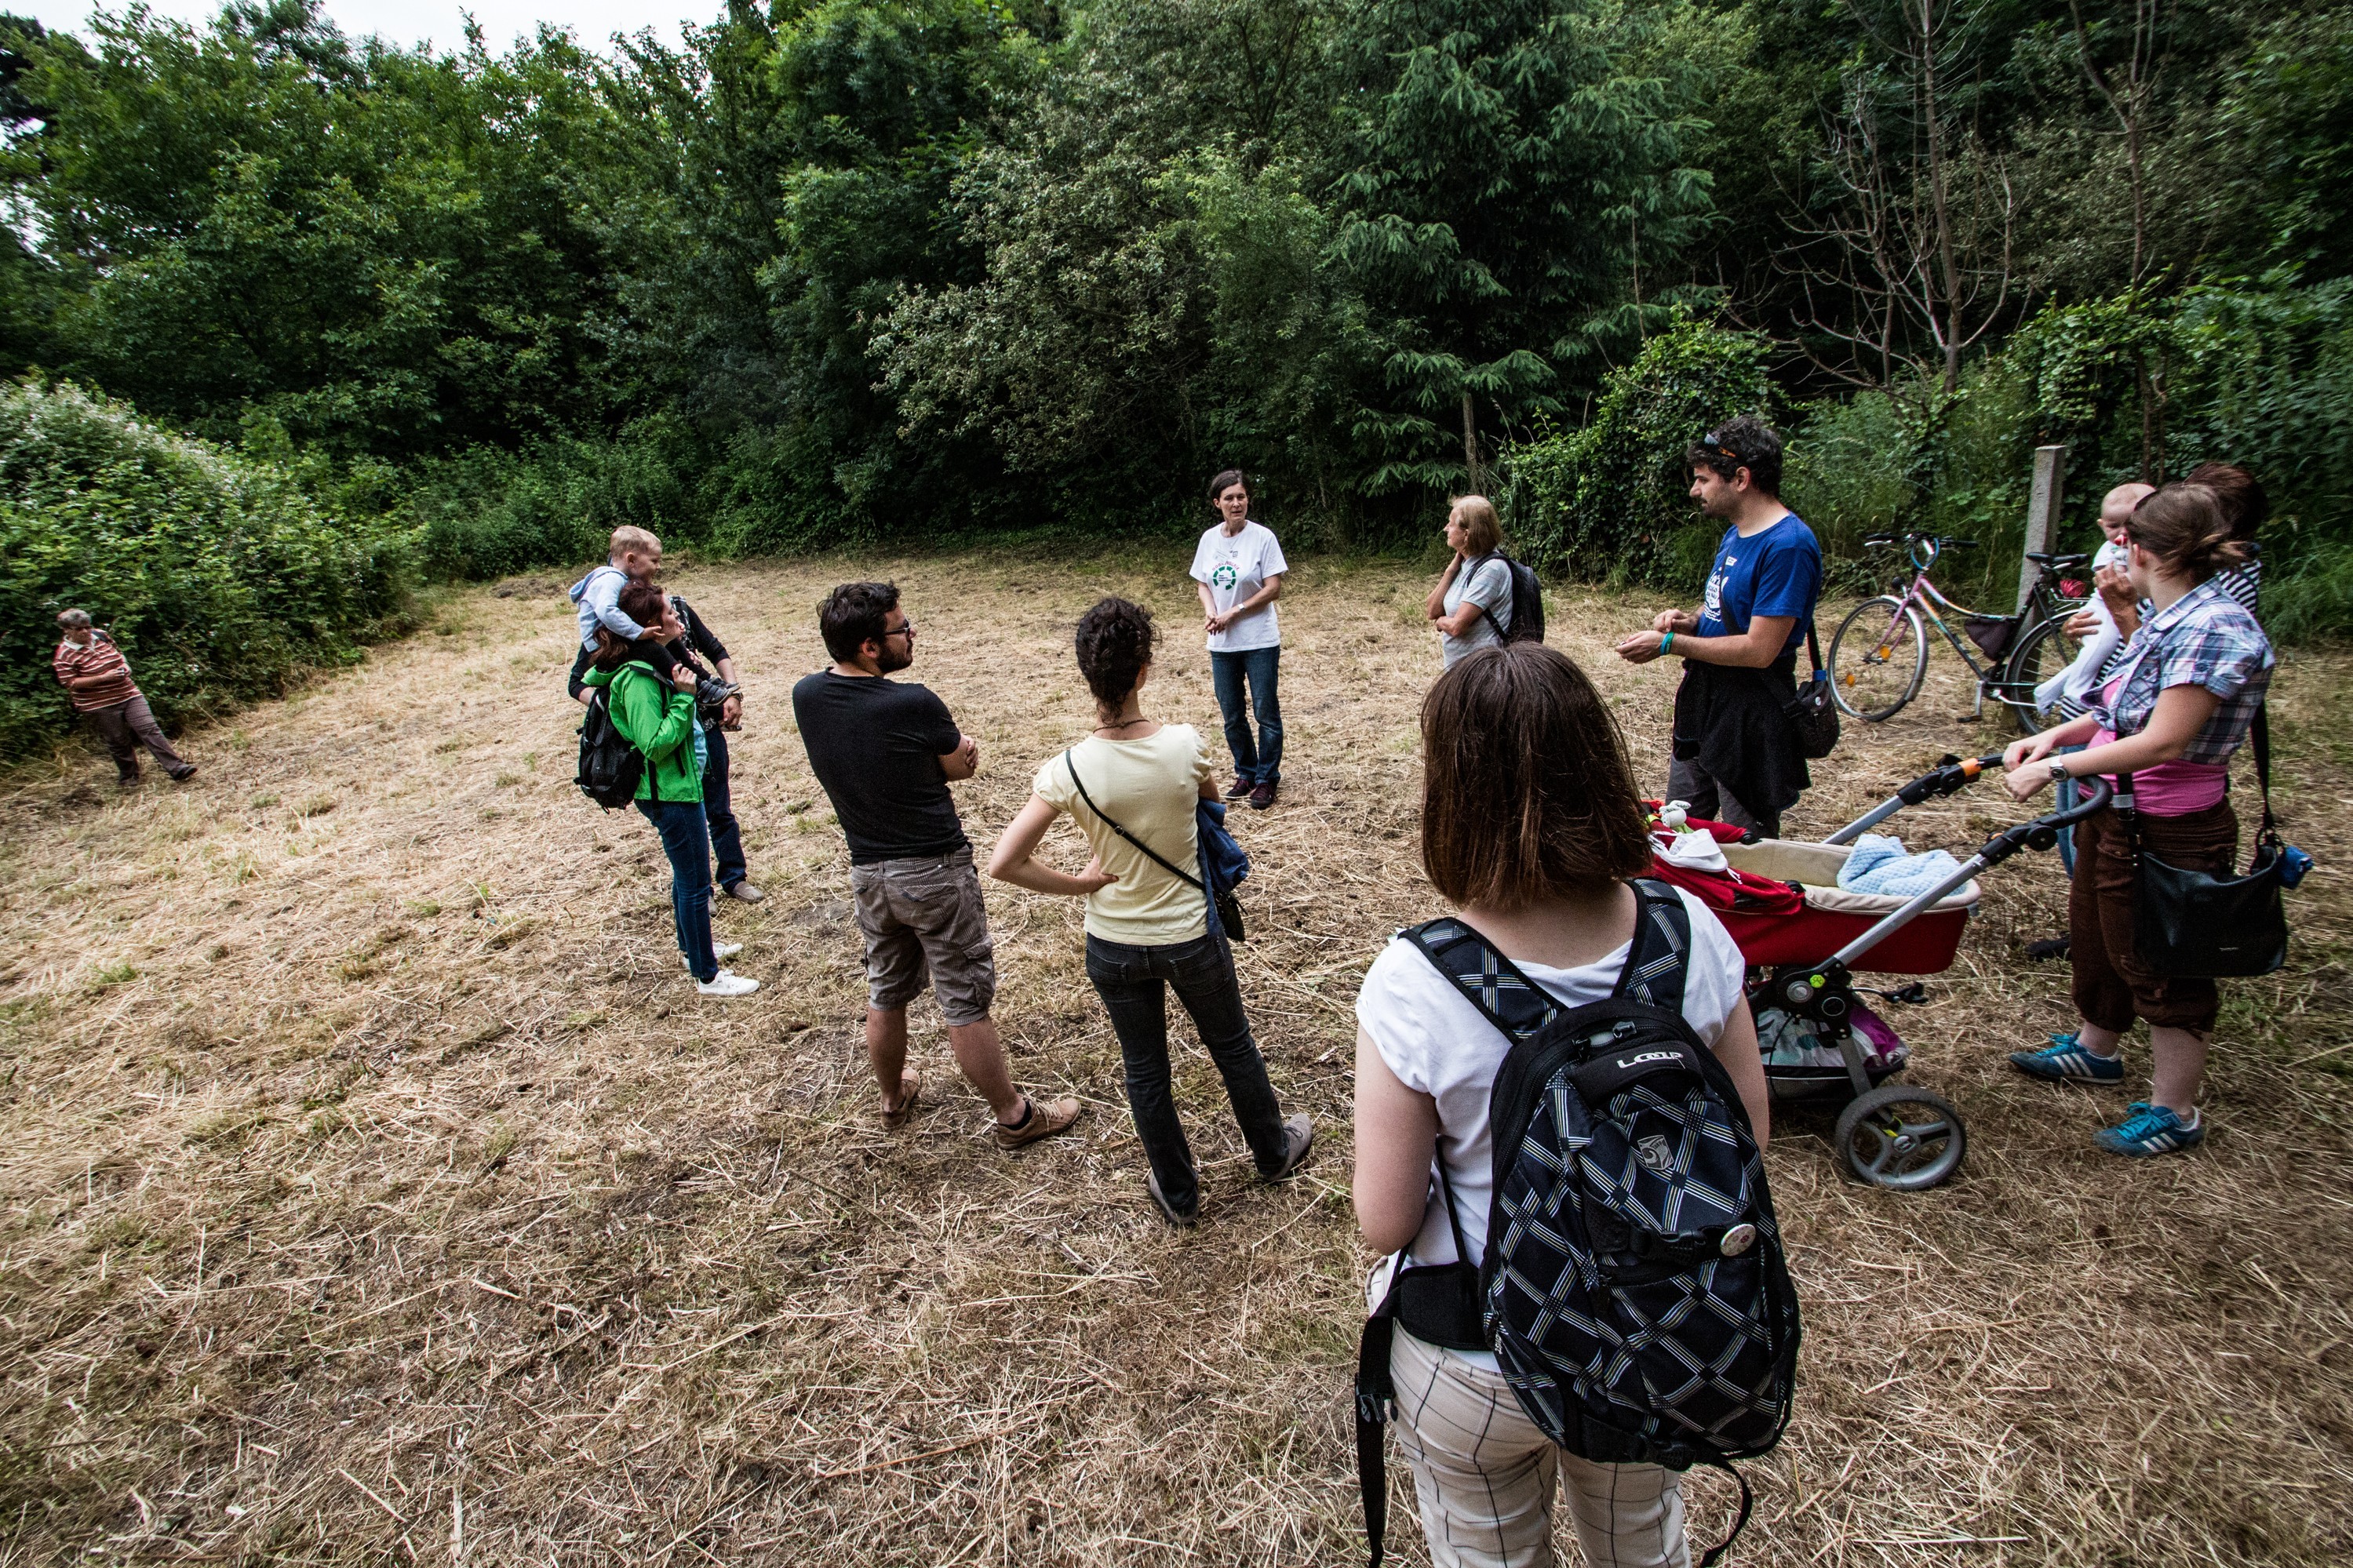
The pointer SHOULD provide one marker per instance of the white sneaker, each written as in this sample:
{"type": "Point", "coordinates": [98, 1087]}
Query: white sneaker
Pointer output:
{"type": "Point", "coordinates": [726, 985]}
{"type": "Point", "coordinates": [718, 949]}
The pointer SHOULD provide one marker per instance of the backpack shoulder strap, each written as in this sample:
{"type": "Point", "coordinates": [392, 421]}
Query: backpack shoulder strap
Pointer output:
{"type": "Point", "coordinates": [1657, 959]}
{"type": "Point", "coordinates": [1514, 1004]}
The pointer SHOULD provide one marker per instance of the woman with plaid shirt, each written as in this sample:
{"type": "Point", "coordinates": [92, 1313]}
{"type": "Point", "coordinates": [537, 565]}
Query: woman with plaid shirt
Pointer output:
{"type": "Point", "coordinates": [2176, 705]}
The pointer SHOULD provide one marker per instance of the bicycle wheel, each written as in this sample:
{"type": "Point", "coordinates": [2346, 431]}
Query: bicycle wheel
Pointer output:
{"type": "Point", "coordinates": [1878, 657]}
{"type": "Point", "coordinates": [2042, 653]}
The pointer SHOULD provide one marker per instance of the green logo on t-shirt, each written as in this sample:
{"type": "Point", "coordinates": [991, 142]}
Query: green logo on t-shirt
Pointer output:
{"type": "Point", "coordinates": [1222, 575]}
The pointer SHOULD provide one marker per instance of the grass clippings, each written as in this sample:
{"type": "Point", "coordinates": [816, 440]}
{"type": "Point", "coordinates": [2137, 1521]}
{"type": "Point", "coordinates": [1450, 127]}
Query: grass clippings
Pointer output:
{"type": "Point", "coordinates": [377, 1190]}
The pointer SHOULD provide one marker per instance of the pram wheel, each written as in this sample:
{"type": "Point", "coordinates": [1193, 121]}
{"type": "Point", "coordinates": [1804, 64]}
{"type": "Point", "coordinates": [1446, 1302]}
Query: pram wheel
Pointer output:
{"type": "Point", "coordinates": [1904, 1139]}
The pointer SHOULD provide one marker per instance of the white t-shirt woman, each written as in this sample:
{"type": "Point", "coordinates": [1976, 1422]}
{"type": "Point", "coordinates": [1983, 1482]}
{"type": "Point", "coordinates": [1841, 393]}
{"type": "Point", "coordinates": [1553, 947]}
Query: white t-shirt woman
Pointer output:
{"type": "Point", "coordinates": [1233, 567]}
{"type": "Point", "coordinates": [1437, 1043]}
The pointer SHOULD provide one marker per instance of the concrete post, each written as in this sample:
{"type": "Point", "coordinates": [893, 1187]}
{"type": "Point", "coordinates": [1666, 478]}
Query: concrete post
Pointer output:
{"type": "Point", "coordinates": [2042, 514]}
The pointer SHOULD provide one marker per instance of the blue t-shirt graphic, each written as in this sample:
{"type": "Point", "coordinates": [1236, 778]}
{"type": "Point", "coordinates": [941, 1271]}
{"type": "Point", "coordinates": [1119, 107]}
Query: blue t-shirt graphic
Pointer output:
{"type": "Point", "coordinates": [1776, 572]}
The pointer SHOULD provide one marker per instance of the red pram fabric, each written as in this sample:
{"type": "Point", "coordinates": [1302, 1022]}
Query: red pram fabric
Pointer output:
{"type": "Point", "coordinates": [1771, 922]}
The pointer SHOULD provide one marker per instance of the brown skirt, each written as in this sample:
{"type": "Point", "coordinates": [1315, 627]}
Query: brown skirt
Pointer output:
{"type": "Point", "coordinates": [2112, 985]}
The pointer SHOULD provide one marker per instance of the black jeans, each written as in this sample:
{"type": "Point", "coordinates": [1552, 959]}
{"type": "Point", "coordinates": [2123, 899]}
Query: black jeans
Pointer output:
{"type": "Point", "coordinates": [1134, 983]}
{"type": "Point", "coordinates": [726, 838]}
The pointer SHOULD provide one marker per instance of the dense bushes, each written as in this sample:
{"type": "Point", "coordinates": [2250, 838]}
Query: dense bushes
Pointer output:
{"type": "Point", "coordinates": [217, 574]}
{"type": "Point", "coordinates": [1612, 500]}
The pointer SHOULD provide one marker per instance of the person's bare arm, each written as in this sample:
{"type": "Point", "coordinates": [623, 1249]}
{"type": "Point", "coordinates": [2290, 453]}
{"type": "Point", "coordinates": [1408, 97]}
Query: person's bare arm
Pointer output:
{"type": "Point", "coordinates": [1755, 648]}
{"type": "Point", "coordinates": [962, 762]}
{"type": "Point", "coordinates": [1269, 591]}
{"type": "Point", "coordinates": [1011, 860]}
{"type": "Point", "coordinates": [1396, 1135]}
{"type": "Point", "coordinates": [1737, 1050]}
{"type": "Point", "coordinates": [2180, 712]}
{"type": "Point", "coordinates": [1434, 609]}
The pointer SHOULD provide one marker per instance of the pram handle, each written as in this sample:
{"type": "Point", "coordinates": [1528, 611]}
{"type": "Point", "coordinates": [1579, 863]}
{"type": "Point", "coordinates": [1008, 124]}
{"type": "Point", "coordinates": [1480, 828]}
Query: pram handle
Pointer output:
{"type": "Point", "coordinates": [1949, 777]}
{"type": "Point", "coordinates": [2040, 833]}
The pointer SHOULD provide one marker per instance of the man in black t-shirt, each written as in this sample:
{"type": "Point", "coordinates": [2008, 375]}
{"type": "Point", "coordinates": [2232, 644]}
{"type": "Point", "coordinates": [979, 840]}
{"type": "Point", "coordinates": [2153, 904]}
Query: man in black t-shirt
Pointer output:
{"type": "Point", "coordinates": [885, 752]}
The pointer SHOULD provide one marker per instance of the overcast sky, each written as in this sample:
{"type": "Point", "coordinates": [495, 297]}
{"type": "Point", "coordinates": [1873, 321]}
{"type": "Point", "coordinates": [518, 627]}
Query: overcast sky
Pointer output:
{"type": "Point", "coordinates": [441, 22]}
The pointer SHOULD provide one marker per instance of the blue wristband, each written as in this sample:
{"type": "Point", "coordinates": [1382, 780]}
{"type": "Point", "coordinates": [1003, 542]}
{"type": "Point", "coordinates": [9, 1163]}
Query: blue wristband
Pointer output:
{"type": "Point", "coordinates": [1667, 642]}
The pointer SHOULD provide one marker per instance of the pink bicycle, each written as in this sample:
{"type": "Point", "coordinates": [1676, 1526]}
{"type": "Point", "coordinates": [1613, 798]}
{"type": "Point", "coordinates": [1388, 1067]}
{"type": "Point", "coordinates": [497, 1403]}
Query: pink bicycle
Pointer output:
{"type": "Point", "coordinates": [1880, 653]}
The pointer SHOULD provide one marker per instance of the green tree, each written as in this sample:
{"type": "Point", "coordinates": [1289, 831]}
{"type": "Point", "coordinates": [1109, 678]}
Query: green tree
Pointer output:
{"type": "Point", "coordinates": [1505, 171]}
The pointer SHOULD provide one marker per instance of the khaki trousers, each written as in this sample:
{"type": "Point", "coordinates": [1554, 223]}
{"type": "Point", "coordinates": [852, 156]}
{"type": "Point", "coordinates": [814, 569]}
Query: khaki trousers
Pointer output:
{"type": "Point", "coordinates": [1484, 1475]}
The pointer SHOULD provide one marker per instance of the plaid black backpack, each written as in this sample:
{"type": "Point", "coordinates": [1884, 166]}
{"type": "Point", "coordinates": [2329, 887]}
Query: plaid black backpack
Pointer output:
{"type": "Point", "coordinates": [1633, 1286]}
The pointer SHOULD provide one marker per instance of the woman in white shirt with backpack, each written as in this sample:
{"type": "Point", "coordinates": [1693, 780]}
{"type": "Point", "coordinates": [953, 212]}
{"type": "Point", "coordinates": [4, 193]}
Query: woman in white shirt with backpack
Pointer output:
{"type": "Point", "coordinates": [1531, 826]}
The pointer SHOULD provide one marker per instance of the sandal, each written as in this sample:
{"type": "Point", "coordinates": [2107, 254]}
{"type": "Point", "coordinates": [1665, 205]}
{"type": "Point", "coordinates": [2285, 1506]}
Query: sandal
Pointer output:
{"type": "Point", "coordinates": [911, 1088]}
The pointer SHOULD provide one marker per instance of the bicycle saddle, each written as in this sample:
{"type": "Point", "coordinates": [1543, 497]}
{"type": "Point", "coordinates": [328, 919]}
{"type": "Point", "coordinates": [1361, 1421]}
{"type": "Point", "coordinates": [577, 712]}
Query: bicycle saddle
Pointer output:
{"type": "Point", "coordinates": [2057, 563]}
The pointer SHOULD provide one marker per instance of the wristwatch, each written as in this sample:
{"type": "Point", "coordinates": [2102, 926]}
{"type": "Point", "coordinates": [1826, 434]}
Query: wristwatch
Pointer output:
{"type": "Point", "coordinates": [2059, 773]}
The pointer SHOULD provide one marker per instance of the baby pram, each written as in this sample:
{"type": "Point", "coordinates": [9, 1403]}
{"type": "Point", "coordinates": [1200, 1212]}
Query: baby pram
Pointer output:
{"type": "Point", "coordinates": [1805, 938]}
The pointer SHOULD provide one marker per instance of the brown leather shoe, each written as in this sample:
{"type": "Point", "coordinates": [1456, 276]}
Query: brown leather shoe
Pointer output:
{"type": "Point", "coordinates": [1039, 1119]}
{"type": "Point", "coordinates": [1262, 795]}
{"type": "Point", "coordinates": [1239, 788]}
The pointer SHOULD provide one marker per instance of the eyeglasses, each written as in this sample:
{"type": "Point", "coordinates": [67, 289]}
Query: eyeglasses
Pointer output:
{"type": "Point", "coordinates": [909, 628]}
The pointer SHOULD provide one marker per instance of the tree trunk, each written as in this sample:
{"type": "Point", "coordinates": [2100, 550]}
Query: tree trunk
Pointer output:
{"type": "Point", "coordinates": [1474, 475]}
{"type": "Point", "coordinates": [1948, 263]}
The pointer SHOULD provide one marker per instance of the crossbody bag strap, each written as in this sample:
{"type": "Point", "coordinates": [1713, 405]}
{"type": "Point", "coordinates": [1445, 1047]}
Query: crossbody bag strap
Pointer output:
{"type": "Point", "coordinates": [1190, 881]}
{"type": "Point", "coordinates": [2263, 742]}
{"type": "Point", "coordinates": [1813, 646]}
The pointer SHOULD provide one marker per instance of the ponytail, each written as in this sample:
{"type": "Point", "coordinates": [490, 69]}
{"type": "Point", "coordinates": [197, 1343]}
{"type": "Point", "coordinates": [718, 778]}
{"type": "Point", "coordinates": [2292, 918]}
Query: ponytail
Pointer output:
{"type": "Point", "coordinates": [2186, 528]}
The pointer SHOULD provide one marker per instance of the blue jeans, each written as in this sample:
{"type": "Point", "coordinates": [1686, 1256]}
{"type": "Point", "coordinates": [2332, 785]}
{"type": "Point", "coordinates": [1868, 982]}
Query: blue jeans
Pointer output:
{"type": "Point", "coordinates": [1261, 762]}
{"type": "Point", "coordinates": [1134, 983]}
{"type": "Point", "coordinates": [687, 842]}
{"type": "Point", "coordinates": [726, 838]}
{"type": "Point", "coordinates": [2067, 795]}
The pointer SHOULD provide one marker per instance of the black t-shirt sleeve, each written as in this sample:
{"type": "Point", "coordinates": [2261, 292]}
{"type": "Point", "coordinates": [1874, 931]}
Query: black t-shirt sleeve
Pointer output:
{"type": "Point", "coordinates": [936, 725]}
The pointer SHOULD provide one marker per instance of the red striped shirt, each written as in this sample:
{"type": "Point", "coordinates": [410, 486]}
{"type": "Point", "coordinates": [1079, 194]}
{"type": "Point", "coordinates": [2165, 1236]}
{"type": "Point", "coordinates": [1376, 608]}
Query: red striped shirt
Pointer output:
{"type": "Point", "coordinates": [100, 657]}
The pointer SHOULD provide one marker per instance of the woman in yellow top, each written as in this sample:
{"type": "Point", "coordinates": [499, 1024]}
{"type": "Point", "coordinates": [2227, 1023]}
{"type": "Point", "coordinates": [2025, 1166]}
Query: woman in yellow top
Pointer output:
{"type": "Point", "coordinates": [1147, 927]}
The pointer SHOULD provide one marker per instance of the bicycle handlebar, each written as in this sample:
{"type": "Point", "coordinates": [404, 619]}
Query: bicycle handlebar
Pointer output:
{"type": "Point", "coordinates": [1941, 541]}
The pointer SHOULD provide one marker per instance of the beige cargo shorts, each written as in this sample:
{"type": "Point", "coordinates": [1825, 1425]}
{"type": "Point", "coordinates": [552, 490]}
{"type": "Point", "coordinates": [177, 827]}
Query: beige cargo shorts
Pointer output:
{"type": "Point", "coordinates": [926, 914]}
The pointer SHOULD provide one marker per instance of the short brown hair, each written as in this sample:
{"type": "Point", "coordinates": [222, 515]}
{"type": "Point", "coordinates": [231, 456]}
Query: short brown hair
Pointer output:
{"type": "Point", "coordinates": [2185, 527]}
{"type": "Point", "coordinates": [1481, 534]}
{"type": "Point", "coordinates": [1526, 794]}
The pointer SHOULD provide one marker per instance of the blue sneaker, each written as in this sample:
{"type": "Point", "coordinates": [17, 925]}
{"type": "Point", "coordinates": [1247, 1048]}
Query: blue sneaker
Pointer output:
{"type": "Point", "coordinates": [2152, 1130]}
{"type": "Point", "coordinates": [2067, 1059]}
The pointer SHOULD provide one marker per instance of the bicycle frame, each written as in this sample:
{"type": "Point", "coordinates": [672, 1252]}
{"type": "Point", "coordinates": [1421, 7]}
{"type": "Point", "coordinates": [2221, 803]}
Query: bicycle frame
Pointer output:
{"type": "Point", "coordinates": [1927, 597]}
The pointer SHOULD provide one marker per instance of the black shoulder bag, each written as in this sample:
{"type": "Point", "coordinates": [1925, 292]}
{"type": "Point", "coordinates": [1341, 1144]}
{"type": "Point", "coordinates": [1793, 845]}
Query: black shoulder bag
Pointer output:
{"type": "Point", "coordinates": [2203, 925]}
{"type": "Point", "coordinates": [1225, 908]}
{"type": "Point", "coordinates": [1438, 1304]}
{"type": "Point", "coordinates": [1811, 711]}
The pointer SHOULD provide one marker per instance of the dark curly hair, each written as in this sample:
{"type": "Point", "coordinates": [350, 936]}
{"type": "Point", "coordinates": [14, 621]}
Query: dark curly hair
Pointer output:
{"type": "Point", "coordinates": [1114, 644]}
{"type": "Point", "coordinates": [852, 616]}
{"type": "Point", "coordinates": [1747, 442]}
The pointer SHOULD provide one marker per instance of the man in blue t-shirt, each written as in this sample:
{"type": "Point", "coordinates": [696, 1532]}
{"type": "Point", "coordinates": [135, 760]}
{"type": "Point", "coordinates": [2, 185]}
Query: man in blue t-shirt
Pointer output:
{"type": "Point", "coordinates": [1736, 757]}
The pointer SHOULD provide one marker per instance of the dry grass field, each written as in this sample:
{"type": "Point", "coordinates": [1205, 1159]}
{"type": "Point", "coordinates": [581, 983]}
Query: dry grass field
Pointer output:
{"type": "Point", "coordinates": [374, 1189]}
